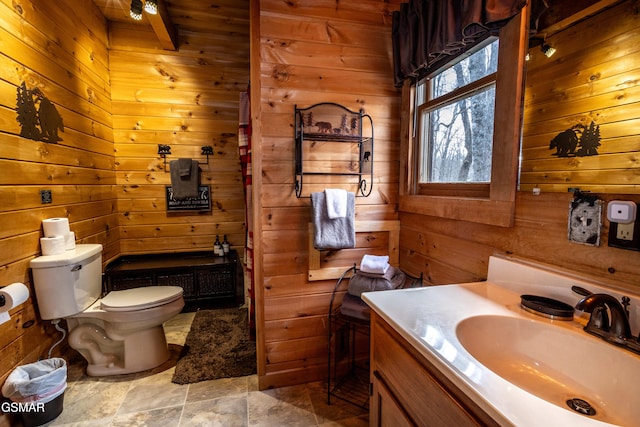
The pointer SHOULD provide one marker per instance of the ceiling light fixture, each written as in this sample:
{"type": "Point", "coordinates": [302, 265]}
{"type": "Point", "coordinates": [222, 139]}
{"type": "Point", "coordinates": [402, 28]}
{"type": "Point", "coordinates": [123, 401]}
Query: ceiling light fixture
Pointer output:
{"type": "Point", "coordinates": [136, 10]}
{"type": "Point", "coordinates": [151, 6]}
{"type": "Point", "coordinates": [548, 50]}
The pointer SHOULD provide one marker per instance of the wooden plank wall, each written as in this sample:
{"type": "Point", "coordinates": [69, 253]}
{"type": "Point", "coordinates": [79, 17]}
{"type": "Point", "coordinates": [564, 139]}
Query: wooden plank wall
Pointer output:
{"type": "Point", "coordinates": [311, 52]}
{"type": "Point", "coordinates": [187, 99]}
{"type": "Point", "coordinates": [61, 48]}
{"type": "Point", "coordinates": [586, 79]}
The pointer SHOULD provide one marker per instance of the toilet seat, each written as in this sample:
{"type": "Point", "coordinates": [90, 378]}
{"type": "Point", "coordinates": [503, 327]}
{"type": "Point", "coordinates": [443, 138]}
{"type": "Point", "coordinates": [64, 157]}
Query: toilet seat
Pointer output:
{"type": "Point", "coordinates": [140, 298]}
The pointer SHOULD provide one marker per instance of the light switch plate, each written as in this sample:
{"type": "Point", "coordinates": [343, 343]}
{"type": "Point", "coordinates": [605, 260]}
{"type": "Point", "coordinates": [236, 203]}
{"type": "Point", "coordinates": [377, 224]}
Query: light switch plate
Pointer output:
{"type": "Point", "coordinates": [45, 197]}
{"type": "Point", "coordinates": [585, 220]}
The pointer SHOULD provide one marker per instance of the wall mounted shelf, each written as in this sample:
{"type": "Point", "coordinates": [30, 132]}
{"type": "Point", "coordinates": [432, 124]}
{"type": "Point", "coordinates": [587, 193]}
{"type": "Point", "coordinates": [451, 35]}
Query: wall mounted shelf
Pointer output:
{"type": "Point", "coordinates": [318, 270]}
{"type": "Point", "coordinates": [332, 140]}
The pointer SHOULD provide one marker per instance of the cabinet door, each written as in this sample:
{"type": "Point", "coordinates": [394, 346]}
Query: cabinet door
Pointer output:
{"type": "Point", "coordinates": [385, 410]}
{"type": "Point", "coordinates": [183, 279]}
{"type": "Point", "coordinates": [130, 281]}
{"type": "Point", "coordinates": [216, 281]}
{"type": "Point", "coordinates": [424, 393]}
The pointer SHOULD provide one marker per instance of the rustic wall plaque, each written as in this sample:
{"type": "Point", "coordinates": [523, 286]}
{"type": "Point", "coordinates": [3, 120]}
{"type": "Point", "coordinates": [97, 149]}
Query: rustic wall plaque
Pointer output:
{"type": "Point", "coordinates": [200, 203]}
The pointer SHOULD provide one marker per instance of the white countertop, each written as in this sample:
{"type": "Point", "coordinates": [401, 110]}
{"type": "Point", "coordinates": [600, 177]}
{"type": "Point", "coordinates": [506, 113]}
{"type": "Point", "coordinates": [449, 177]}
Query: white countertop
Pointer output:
{"type": "Point", "coordinates": [427, 319]}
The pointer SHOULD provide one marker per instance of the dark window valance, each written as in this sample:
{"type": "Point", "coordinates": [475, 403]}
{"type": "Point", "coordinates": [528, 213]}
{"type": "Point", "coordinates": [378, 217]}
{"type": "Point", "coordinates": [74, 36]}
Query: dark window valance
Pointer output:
{"type": "Point", "coordinates": [428, 33]}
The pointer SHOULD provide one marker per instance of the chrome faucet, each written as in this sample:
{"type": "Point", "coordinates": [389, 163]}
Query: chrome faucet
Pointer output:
{"type": "Point", "coordinates": [608, 318]}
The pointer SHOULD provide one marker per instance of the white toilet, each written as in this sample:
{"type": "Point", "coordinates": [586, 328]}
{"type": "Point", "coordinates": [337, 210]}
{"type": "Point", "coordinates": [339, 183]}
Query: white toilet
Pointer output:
{"type": "Point", "coordinates": [118, 334]}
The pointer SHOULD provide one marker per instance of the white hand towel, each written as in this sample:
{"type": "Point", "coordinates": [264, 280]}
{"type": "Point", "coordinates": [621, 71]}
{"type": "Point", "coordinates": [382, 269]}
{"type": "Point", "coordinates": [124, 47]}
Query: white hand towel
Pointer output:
{"type": "Point", "coordinates": [376, 264]}
{"type": "Point", "coordinates": [336, 201]}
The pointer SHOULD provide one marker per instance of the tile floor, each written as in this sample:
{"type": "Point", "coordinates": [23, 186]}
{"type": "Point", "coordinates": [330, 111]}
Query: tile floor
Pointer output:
{"type": "Point", "coordinates": [151, 399]}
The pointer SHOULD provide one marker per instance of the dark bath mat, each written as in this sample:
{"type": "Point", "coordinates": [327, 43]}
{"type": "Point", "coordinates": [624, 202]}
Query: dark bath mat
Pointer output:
{"type": "Point", "coordinates": [217, 346]}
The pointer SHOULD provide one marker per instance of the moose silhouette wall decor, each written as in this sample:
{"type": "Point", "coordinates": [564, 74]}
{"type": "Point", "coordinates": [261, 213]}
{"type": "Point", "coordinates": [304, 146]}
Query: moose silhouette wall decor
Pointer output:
{"type": "Point", "coordinates": [37, 116]}
{"type": "Point", "coordinates": [579, 140]}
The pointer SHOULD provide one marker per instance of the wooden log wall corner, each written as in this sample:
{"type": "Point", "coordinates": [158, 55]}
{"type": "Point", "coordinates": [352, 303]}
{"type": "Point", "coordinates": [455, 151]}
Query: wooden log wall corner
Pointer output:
{"type": "Point", "coordinates": [179, 101]}
{"type": "Point", "coordinates": [55, 59]}
{"type": "Point", "coordinates": [120, 92]}
{"type": "Point", "coordinates": [310, 53]}
{"type": "Point", "coordinates": [318, 272]}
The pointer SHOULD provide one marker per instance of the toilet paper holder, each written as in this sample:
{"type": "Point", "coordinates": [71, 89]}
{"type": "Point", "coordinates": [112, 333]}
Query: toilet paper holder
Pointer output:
{"type": "Point", "coordinates": [11, 296]}
{"type": "Point", "coordinates": [9, 299]}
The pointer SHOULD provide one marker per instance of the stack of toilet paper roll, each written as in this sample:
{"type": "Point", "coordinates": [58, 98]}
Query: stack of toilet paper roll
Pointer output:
{"type": "Point", "coordinates": [57, 236]}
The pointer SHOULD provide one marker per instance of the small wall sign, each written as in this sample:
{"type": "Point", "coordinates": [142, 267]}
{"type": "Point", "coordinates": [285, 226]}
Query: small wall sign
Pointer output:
{"type": "Point", "coordinates": [200, 203]}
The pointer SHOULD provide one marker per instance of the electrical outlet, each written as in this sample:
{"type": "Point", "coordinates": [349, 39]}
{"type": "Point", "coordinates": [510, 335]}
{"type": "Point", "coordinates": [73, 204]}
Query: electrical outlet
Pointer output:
{"type": "Point", "coordinates": [625, 231]}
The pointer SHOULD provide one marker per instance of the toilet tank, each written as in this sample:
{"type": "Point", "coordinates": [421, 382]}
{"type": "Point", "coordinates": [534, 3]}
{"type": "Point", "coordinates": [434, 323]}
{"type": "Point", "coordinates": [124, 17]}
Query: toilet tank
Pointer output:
{"type": "Point", "coordinates": [68, 283]}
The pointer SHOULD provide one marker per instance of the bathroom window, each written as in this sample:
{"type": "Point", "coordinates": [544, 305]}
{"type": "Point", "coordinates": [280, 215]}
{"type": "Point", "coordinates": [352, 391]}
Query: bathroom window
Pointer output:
{"type": "Point", "coordinates": [455, 117]}
{"type": "Point", "coordinates": [467, 169]}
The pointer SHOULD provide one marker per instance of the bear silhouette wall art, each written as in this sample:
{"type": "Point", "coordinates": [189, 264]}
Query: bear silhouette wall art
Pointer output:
{"type": "Point", "coordinates": [37, 116]}
{"type": "Point", "coordinates": [579, 140]}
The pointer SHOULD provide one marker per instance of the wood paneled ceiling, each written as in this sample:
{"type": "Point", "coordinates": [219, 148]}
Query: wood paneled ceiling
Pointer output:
{"type": "Point", "coordinates": [189, 15]}
{"type": "Point", "coordinates": [117, 10]}
{"type": "Point", "coordinates": [162, 24]}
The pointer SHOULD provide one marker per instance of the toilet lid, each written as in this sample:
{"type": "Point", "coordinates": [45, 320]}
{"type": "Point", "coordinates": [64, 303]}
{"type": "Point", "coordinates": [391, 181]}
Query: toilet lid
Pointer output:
{"type": "Point", "coordinates": [140, 298]}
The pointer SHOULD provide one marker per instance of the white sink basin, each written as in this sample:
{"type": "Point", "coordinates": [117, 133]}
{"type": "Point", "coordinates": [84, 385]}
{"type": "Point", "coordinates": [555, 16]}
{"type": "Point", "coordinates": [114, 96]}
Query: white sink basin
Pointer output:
{"type": "Point", "coordinates": [557, 363]}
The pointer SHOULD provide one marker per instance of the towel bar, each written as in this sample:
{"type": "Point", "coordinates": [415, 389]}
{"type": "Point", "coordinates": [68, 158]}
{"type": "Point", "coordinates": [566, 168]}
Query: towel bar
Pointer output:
{"type": "Point", "coordinates": [164, 150]}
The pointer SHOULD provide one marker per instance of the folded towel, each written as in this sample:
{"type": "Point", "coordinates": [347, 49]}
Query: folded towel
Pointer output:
{"type": "Point", "coordinates": [386, 275]}
{"type": "Point", "coordinates": [376, 264]}
{"type": "Point", "coordinates": [187, 186]}
{"type": "Point", "coordinates": [353, 306]}
{"type": "Point", "coordinates": [360, 282]}
{"type": "Point", "coordinates": [336, 200]}
{"type": "Point", "coordinates": [184, 167]}
{"type": "Point", "coordinates": [338, 233]}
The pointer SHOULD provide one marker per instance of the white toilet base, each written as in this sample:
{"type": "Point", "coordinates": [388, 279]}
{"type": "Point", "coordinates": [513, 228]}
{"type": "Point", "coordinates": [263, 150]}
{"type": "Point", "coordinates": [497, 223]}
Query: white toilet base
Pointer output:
{"type": "Point", "coordinates": [149, 351]}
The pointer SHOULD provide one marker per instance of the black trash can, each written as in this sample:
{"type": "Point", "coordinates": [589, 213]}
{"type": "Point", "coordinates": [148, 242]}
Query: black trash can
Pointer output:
{"type": "Point", "coordinates": [37, 390]}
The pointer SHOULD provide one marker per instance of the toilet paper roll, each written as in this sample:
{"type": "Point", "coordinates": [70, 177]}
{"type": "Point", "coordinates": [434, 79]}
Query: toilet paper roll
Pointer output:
{"type": "Point", "coordinates": [52, 245]}
{"type": "Point", "coordinates": [14, 295]}
{"type": "Point", "coordinates": [56, 227]}
{"type": "Point", "coordinates": [70, 241]}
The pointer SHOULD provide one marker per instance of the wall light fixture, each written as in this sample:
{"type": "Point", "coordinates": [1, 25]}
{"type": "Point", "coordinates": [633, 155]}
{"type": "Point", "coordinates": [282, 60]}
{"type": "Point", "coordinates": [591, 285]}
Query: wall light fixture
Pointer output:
{"type": "Point", "coordinates": [151, 6]}
{"type": "Point", "coordinates": [548, 50]}
{"type": "Point", "coordinates": [136, 10]}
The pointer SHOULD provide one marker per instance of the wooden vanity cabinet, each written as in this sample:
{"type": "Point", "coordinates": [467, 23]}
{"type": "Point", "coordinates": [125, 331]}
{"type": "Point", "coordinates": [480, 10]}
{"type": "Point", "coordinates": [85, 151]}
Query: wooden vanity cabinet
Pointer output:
{"type": "Point", "coordinates": [408, 391]}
